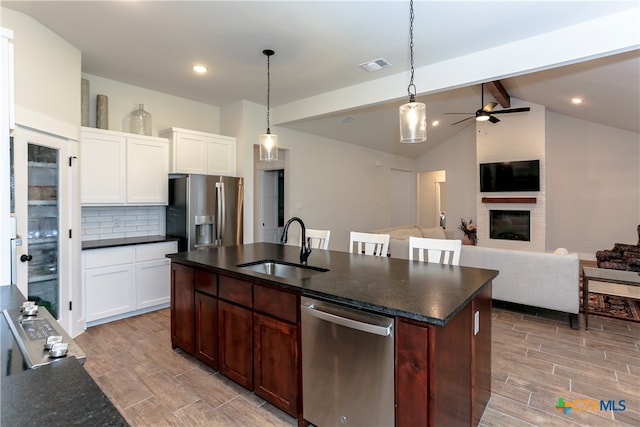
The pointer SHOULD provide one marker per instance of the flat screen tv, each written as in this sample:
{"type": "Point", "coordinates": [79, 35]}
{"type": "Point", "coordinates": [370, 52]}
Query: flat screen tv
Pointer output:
{"type": "Point", "coordinates": [521, 175]}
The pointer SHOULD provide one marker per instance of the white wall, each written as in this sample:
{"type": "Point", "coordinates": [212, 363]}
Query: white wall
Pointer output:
{"type": "Point", "coordinates": [166, 110]}
{"type": "Point", "coordinates": [515, 137]}
{"type": "Point", "coordinates": [457, 157]}
{"type": "Point", "coordinates": [428, 215]}
{"type": "Point", "coordinates": [47, 77]}
{"type": "Point", "coordinates": [592, 176]}
{"type": "Point", "coordinates": [593, 193]}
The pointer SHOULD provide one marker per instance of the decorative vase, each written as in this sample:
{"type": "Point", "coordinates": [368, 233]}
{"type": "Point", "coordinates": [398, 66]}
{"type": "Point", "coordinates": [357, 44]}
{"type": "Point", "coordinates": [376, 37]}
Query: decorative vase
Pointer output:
{"type": "Point", "coordinates": [84, 102]}
{"type": "Point", "coordinates": [102, 112]}
{"type": "Point", "coordinates": [466, 240]}
{"type": "Point", "coordinates": [138, 121]}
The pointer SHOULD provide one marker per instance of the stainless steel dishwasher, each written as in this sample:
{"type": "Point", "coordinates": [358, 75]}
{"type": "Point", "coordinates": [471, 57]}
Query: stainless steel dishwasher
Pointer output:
{"type": "Point", "coordinates": [347, 366]}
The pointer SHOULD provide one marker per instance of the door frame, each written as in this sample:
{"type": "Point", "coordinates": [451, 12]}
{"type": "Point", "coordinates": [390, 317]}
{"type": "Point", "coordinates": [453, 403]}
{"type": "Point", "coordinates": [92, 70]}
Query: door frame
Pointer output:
{"type": "Point", "coordinates": [69, 230]}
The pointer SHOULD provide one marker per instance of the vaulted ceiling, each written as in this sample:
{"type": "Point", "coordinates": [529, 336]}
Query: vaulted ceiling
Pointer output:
{"type": "Point", "coordinates": [320, 44]}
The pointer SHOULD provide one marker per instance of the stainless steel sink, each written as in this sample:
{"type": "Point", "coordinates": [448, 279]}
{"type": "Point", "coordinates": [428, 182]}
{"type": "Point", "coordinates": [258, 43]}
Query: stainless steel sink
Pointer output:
{"type": "Point", "coordinates": [282, 269]}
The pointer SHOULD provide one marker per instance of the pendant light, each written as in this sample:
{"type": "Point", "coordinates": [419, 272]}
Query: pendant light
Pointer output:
{"type": "Point", "coordinates": [268, 141]}
{"type": "Point", "coordinates": [413, 115]}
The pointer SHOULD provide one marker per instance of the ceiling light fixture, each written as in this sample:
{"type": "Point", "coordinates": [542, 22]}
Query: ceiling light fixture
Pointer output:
{"type": "Point", "coordinates": [268, 141]}
{"type": "Point", "coordinates": [482, 116]}
{"type": "Point", "coordinates": [199, 69]}
{"type": "Point", "coordinates": [413, 115]}
{"type": "Point", "coordinates": [576, 101]}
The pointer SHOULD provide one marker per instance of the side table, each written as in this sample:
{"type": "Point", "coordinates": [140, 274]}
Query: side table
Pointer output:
{"type": "Point", "coordinates": [619, 277]}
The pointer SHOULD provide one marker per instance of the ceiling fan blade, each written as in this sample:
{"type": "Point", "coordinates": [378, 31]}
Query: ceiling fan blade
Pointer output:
{"type": "Point", "coordinates": [463, 120]}
{"type": "Point", "coordinates": [490, 106]}
{"type": "Point", "coordinates": [493, 119]}
{"type": "Point", "coordinates": [512, 110]}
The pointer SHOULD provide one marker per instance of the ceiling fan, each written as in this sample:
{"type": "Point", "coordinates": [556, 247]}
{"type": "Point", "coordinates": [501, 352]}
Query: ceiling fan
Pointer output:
{"type": "Point", "coordinates": [486, 112]}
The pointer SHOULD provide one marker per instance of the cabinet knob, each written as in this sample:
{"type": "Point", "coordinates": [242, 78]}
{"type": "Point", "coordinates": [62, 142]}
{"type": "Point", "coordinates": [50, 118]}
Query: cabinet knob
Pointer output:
{"type": "Point", "coordinates": [25, 257]}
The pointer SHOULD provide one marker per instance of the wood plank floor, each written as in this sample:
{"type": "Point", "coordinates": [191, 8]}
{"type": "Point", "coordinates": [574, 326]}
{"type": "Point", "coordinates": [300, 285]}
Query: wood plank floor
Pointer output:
{"type": "Point", "coordinates": [537, 359]}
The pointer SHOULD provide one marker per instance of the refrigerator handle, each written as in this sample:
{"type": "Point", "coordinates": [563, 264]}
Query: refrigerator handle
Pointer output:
{"type": "Point", "coordinates": [221, 208]}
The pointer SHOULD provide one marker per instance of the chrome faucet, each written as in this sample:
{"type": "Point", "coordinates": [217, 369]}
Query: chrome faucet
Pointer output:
{"type": "Point", "coordinates": [305, 247]}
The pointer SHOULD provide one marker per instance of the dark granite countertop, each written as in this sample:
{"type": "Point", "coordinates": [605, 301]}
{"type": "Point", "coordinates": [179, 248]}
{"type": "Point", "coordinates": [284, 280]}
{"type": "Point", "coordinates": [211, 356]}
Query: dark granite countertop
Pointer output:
{"type": "Point", "coordinates": [426, 292]}
{"type": "Point", "coordinates": [58, 394]}
{"type": "Point", "coordinates": [125, 241]}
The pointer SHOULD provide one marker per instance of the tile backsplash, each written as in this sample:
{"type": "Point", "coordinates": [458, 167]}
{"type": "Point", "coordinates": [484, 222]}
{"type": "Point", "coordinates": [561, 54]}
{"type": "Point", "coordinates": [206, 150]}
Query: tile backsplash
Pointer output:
{"type": "Point", "coordinates": [114, 222]}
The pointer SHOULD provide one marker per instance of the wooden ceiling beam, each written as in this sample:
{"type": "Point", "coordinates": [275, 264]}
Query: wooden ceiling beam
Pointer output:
{"type": "Point", "coordinates": [499, 93]}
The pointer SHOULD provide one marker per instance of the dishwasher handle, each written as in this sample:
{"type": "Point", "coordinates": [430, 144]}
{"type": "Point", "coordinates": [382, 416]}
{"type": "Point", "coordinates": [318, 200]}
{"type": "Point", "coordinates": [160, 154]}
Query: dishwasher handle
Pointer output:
{"type": "Point", "coordinates": [310, 309]}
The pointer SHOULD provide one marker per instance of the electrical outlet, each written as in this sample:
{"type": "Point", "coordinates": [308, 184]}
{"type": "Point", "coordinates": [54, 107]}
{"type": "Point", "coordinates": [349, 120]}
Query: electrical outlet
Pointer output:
{"type": "Point", "coordinates": [299, 205]}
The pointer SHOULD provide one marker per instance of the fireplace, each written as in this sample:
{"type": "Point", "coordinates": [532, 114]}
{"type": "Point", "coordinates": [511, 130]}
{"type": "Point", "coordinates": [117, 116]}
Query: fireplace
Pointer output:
{"type": "Point", "coordinates": [510, 225]}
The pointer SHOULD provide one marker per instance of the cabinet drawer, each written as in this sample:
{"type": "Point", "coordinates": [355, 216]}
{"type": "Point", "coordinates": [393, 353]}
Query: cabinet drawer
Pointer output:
{"type": "Point", "coordinates": [277, 303]}
{"type": "Point", "coordinates": [151, 251]}
{"type": "Point", "coordinates": [206, 282]}
{"type": "Point", "coordinates": [109, 256]}
{"type": "Point", "coordinates": [235, 290]}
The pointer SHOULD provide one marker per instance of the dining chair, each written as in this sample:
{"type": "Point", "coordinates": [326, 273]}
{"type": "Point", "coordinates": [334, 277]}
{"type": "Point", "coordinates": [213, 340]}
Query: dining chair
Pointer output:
{"type": "Point", "coordinates": [442, 251]}
{"type": "Point", "coordinates": [369, 243]}
{"type": "Point", "coordinates": [318, 239]}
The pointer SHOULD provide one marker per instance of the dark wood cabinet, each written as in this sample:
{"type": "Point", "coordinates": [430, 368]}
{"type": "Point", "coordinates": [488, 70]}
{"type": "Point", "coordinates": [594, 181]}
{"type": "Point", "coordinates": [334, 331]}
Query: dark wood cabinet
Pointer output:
{"type": "Point", "coordinates": [443, 373]}
{"type": "Point", "coordinates": [235, 339]}
{"type": "Point", "coordinates": [251, 331]}
{"type": "Point", "coordinates": [276, 348]}
{"type": "Point", "coordinates": [206, 317]}
{"type": "Point", "coordinates": [182, 308]}
{"type": "Point", "coordinates": [206, 314]}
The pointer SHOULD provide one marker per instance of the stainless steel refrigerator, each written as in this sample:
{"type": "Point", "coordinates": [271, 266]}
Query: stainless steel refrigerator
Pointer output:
{"type": "Point", "coordinates": [205, 211]}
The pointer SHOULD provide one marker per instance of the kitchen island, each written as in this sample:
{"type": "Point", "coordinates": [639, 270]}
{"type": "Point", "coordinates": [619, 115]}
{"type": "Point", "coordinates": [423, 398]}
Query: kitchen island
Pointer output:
{"type": "Point", "coordinates": [240, 321]}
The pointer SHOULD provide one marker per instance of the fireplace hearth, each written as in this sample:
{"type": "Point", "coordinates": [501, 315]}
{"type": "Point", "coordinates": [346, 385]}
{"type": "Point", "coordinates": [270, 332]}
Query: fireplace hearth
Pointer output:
{"type": "Point", "coordinates": [510, 225]}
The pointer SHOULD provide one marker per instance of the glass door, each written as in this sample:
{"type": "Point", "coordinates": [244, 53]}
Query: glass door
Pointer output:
{"type": "Point", "coordinates": [43, 214]}
{"type": "Point", "coordinates": [43, 170]}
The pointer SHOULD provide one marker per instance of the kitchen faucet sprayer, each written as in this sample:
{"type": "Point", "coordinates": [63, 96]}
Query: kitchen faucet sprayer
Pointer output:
{"type": "Point", "coordinates": [305, 248]}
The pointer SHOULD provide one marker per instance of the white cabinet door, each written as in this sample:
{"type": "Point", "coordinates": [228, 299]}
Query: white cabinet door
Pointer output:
{"type": "Point", "coordinates": [109, 282]}
{"type": "Point", "coordinates": [103, 162]}
{"type": "Point", "coordinates": [109, 291]}
{"type": "Point", "coordinates": [153, 283]}
{"type": "Point", "coordinates": [200, 152]}
{"type": "Point", "coordinates": [147, 171]}
{"type": "Point", "coordinates": [153, 274]}
{"type": "Point", "coordinates": [221, 156]}
{"type": "Point", "coordinates": [190, 154]}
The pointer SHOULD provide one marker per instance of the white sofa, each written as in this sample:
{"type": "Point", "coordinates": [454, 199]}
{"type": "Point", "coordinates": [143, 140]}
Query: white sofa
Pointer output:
{"type": "Point", "coordinates": [539, 279]}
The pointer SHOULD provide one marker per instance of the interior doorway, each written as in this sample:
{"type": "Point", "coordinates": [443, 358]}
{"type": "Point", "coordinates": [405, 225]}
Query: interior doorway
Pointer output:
{"type": "Point", "coordinates": [432, 199]}
{"type": "Point", "coordinates": [271, 205]}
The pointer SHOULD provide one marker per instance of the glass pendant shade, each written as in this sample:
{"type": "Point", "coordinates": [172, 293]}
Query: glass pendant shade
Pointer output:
{"type": "Point", "coordinates": [413, 122]}
{"type": "Point", "coordinates": [268, 147]}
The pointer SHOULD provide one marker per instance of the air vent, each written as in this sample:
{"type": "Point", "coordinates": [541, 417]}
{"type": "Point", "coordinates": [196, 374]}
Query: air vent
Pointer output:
{"type": "Point", "coordinates": [375, 65]}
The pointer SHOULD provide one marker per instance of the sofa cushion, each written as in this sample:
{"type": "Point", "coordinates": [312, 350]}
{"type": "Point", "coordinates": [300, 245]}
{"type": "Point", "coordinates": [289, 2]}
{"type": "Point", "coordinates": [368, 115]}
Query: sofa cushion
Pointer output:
{"type": "Point", "coordinates": [433, 233]}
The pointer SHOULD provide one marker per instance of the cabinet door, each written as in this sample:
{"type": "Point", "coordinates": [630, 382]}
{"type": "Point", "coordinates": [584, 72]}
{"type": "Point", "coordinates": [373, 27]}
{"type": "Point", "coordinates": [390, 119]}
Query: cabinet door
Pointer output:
{"type": "Point", "coordinates": [153, 283]}
{"type": "Point", "coordinates": [182, 308]}
{"type": "Point", "coordinates": [109, 291]}
{"type": "Point", "coordinates": [235, 335]}
{"type": "Point", "coordinates": [147, 171]}
{"type": "Point", "coordinates": [207, 329]}
{"type": "Point", "coordinates": [190, 154]}
{"type": "Point", "coordinates": [103, 169]}
{"type": "Point", "coordinates": [221, 156]}
{"type": "Point", "coordinates": [276, 362]}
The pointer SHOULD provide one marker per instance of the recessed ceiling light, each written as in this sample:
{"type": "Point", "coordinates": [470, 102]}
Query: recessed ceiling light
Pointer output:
{"type": "Point", "coordinates": [200, 69]}
{"type": "Point", "coordinates": [435, 123]}
{"type": "Point", "coordinates": [576, 100]}
{"type": "Point", "coordinates": [348, 119]}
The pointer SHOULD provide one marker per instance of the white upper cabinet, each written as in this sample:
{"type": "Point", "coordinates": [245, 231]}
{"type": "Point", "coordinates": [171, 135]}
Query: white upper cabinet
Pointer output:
{"type": "Point", "coordinates": [200, 152]}
{"type": "Point", "coordinates": [123, 169]}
